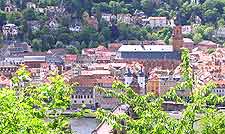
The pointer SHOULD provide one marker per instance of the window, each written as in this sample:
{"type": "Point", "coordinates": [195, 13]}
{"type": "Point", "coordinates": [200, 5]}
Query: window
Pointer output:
{"type": "Point", "coordinates": [75, 101]}
{"type": "Point", "coordinates": [82, 101]}
{"type": "Point", "coordinates": [90, 102]}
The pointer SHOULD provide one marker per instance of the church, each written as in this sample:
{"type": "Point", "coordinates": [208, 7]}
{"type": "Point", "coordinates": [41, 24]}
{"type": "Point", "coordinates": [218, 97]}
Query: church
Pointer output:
{"type": "Point", "coordinates": [165, 56]}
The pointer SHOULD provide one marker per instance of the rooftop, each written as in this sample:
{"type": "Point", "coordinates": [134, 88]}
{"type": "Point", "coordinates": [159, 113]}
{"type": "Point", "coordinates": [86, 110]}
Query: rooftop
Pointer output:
{"type": "Point", "coordinates": [146, 48]}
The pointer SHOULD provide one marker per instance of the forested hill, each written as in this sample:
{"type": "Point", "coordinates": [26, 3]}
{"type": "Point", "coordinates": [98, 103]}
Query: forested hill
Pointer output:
{"type": "Point", "coordinates": [71, 14]}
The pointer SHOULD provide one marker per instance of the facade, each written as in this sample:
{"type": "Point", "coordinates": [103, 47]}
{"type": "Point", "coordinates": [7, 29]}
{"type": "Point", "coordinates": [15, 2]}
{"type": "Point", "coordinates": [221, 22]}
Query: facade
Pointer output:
{"type": "Point", "coordinates": [157, 21]}
{"type": "Point", "coordinates": [7, 69]}
{"type": "Point", "coordinates": [34, 61]}
{"type": "Point", "coordinates": [162, 84]}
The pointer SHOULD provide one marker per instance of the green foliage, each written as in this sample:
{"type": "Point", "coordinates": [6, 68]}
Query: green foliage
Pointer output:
{"type": "Point", "coordinates": [197, 38]}
{"type": "Point", "coordinates": [199, 116]}
{"type": "Point", "coordinates": [72, 50]}
{"type": "Point", "coordinates": [29, 108]}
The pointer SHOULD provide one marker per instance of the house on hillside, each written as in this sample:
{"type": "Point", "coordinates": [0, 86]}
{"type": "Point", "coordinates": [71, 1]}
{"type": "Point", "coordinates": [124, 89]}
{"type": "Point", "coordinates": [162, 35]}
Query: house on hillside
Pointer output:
{"type": "Point", "coordinates": [10, 30]}
{"type": "Point", "coordinates": [10, 7]}
{"type": "Point", "coordinates": [157, 21]}
{"type": "Point", "coordinates": [31, 5]}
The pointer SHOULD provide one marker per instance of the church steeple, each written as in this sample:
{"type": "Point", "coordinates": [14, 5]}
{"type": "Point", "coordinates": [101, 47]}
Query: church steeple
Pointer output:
{"type": "Point", "coordinates": [177, 34]}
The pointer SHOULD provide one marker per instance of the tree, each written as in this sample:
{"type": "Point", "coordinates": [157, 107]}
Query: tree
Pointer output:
{"type": "Point", "coordinates": [115, 7]}
{"type": "Point", "coordinates": [197, 38]}
{"type": "Point", "coordinates": [29, 14]}
{"type": "Point", "coordinates": [59, 44]}
{"type": "Point", "coordinates": [25, 109]}
{"type": "Point", "coordinates": [150, 117]}
{"type": "Point", "coordinates": [2, 18]}
{"type": "Point", "coordinates": [148, 6]}
{"type": "Point", "coordinates": [36, 44]}
{"type": "Point", "coordinates": [221, 23]}
{"type": "Point", "coordinates": [72, 50]}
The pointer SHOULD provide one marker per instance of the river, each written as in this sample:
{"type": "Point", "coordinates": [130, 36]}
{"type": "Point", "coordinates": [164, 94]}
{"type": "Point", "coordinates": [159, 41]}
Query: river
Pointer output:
{"type": "Point", "coordinates": [84, 125]}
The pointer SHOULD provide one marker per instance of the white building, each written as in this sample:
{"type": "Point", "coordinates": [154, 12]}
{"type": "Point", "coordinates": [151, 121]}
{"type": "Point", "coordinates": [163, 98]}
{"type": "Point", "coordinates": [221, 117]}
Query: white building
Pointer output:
{"type": "Point", "coordinates": [124, 18]}
{"type": "Point", "coordinates": [31, 5]}
{"type": "Point", "coordinates": [157, 21]}
{"type": "Point", "coordinates": [220, 32]}
{"type": "Point", "coordinates": [187, 29]}
{"type": "Point", "coordinates": [10, 30]}
{"type": "Point", "coordinates": [106, 17]}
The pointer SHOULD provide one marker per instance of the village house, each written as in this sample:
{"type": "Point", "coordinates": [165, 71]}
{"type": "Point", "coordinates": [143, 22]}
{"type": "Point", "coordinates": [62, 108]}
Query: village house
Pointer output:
{"type": "Point", "coordinates": [10, 30]}
{"type": "Point", "coordinates": [187, 29]}
{"type": "Point", "coordinates": [85, 91]}
{"type": "Point", "coordinates": [19, 48]}
{"type": "Point", "coordinates": [220, 32]}
{"type": "Point", "coordinates": [157, 22]}
{"type": "Point", "coordinates": [124, 18]}
{"type": "Point", "coordinates": [107, 17]}
{"type": "Point", "coordinates": [53, 23]}
{"type": "Point", "coordinates": [10, 7]}
{"type": "Point", "coordinates": [34, 25]}
{"type": "Point", "coordinates": [31, 5]}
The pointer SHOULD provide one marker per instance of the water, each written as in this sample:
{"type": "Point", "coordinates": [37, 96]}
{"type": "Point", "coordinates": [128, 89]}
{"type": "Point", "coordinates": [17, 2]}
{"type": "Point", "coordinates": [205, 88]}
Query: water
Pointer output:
{"type": "Point", "coordinates": [84, 125]}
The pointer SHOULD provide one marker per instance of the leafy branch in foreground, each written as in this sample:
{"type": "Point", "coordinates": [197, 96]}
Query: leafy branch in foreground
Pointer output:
{"type": "Point", "coordinates": [28, 108]}
{"type": "Point", "coordinates": [199, 116]}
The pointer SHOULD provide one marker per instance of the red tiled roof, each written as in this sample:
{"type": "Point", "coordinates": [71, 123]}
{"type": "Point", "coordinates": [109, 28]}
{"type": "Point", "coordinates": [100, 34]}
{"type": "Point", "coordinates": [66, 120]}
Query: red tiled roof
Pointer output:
{"type": "Point", "coordinates": [70, 58]}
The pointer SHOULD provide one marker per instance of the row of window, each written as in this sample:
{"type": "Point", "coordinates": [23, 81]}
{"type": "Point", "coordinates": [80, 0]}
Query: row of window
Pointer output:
{"type": "Point", "coordinates": [82, 96]}
{"type": "Point", "coordinates": [82, 102]}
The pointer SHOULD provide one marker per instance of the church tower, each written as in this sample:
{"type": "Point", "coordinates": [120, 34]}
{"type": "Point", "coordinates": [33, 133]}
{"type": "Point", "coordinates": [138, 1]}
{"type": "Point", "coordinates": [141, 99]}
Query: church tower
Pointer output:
{"type": "Point", "coordinates": [177, 34]}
